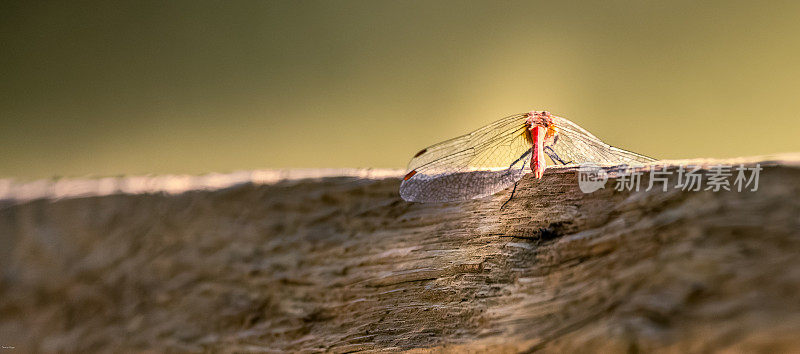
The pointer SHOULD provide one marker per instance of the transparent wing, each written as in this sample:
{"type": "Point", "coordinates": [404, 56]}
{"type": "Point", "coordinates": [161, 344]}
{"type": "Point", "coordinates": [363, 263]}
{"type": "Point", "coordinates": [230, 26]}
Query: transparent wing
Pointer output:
{"type": "Point", "coordinates": [575, 145]}
{"type": "Point", "coordinates": [474, 165]}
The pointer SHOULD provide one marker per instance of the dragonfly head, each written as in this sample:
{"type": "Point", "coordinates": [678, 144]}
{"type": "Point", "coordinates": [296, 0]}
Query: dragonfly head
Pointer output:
{"type": "Point", "coordinates": [539, 118]}
{"type": "Point", "coordinates": [543, 119]}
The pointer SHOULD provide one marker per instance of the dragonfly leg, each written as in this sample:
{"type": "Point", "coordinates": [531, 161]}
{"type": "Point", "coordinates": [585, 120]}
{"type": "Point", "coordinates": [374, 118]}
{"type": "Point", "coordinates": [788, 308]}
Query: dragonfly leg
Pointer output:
{"type": "Point", "coordinates": [550, 152]}
{"type": "Point", "coordinates": [515, 183]}
{"type": "Point", "coordinates": [520, 158]}
{"type": "Point", "coordinates": [511, 197]}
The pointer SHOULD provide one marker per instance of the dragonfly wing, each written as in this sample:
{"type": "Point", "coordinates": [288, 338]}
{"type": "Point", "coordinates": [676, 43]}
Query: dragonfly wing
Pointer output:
{"type": "Point", "coordinates": [473, 165]}
{"type": "Point", "coordinates": [575, 145]}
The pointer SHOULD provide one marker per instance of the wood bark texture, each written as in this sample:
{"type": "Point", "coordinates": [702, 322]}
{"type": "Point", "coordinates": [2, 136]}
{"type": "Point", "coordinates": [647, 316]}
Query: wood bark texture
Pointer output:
{"type": "Point", "coordinates": [343, 264]}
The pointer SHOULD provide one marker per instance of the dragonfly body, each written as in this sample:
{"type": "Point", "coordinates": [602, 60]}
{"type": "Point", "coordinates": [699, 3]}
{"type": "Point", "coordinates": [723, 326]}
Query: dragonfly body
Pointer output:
{"type": "Point", "coordinates": [540, 127]}
{"type": "Point", "coordinates": [538, 163]}
{"type": "Point", "coordinates": [496, 156]}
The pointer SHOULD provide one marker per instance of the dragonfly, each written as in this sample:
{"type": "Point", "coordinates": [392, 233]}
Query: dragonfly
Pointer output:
{"type": "Point", "coordinates": [494, 157]}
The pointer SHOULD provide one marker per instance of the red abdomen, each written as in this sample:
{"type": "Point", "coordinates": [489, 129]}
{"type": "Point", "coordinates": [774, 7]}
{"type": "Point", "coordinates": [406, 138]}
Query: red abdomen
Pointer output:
{"type": "Point", "coordinates": [537, 158]}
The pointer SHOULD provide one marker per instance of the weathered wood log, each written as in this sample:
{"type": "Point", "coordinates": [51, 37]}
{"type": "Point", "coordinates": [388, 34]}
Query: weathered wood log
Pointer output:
{"type": "Point", "coordinates": [343, 264]}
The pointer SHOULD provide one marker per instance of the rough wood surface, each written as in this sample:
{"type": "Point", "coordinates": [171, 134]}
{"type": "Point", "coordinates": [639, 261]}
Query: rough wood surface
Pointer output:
{"type": "Point", "coordinates": [343, 264]}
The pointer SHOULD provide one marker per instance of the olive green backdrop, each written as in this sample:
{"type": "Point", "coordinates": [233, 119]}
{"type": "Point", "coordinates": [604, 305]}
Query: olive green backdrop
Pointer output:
{"type": "Point", "coordinates": [187, 86]}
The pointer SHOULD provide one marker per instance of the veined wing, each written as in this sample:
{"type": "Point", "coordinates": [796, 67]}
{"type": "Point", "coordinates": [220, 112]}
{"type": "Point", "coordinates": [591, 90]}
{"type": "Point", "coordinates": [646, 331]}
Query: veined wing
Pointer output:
{"type": "Point", "coordinates": [473, 165]}
{"type": "Point", "coordinates": [575, 145]}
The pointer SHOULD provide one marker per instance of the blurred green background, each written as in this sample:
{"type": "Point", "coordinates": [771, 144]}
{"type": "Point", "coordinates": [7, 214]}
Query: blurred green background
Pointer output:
{"type": "Point", "coordinates": [108, 88]}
